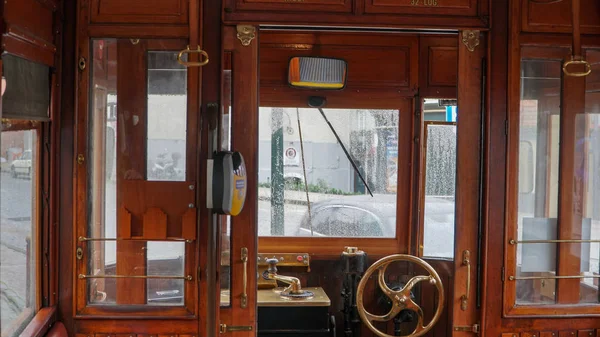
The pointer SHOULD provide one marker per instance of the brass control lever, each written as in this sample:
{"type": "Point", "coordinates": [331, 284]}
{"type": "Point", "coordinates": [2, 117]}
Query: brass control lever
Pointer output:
{"type": "Point", "coordinates": [294, 283]}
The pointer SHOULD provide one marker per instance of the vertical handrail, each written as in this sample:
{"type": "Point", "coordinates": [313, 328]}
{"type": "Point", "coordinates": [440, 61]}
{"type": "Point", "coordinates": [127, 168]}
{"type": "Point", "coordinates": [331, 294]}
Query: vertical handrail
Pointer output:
{"type": "Point", "coordinates": [244, 301]}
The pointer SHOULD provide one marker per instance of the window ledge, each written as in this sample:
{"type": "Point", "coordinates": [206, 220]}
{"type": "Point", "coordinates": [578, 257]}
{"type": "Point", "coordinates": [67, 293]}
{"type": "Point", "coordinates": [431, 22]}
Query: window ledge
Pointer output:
{"type": "Point", "coordinates": [41, 323]}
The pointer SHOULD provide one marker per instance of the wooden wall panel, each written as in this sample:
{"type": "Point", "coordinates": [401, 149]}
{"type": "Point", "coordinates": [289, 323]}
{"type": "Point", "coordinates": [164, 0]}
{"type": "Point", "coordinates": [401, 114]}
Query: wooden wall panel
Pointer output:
{"type": "Point", "coordinates": [30, 30]}
{"type": "Point", "coordinates": [445, 7]}
{"type": "Point", "coordinates": [556, 16]}
{"type": "Point", "coordinates": [36, 24]}
{"type": "Point", "coordinates": [139, 11]}
{"type": "Point", "coordinates": [297, 5]}
{"type": "Point", "coordinates": [377, 63]}
{"type": "Point", "coordinates": [366, 13]}
{"type": "Point", "coordinates": [438, 58]}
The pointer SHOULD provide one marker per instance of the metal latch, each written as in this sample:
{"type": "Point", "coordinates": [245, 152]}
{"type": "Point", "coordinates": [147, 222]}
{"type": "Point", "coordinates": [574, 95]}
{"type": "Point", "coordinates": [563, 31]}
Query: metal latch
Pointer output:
{"type": "Point", "coordinates": [467, 328]}
{"type": "Point", "coordinates": [224, 328]}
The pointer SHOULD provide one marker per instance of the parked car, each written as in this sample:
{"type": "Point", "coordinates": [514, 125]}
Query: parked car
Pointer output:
{"type": "Point", "coordinates": [366, 216]}
{"type": "Point", "coordinates": [21, 165]}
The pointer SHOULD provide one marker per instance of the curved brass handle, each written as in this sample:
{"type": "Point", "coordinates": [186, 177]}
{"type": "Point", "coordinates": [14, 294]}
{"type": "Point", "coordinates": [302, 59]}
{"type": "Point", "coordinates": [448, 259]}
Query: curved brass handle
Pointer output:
{"type": "Point", "coordinates": [588, 68]}
{"type": "Point", "coordinates": [464, 299]}
{"type": "Point", "coordinates": [192, 64]}
{"type": "Point", "coordinates": [401, 299]}
{"type": "Point", "coordinates": [244, 301]}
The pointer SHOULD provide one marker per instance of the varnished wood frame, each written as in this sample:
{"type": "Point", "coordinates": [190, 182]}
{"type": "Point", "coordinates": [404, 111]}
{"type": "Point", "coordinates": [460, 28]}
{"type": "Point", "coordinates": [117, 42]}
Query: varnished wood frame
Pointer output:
{"type": "Point", "coordinates": [500, 51]}
{"type": "Point", "coordinates": [189, 308]}
{"type": "Point", "coordinates": [83, 48]}
{"type": "Point", "coordinates": [77, 35]}
{"type": "Point", "coordinates": [553, 47]}
{"type": "Point", "coordinates": [406, 177]}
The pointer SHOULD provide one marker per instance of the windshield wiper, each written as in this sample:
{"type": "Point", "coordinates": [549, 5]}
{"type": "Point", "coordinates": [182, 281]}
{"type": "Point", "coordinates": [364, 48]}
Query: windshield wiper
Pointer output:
{"type": "Point", "coordinates": [345, 151]}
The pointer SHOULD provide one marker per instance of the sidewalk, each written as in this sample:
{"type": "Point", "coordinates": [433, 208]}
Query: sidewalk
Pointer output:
{"type": "Point", "coordinates": [296, 197]}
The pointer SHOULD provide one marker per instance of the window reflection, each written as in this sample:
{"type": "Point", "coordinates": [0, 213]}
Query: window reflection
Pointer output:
{"type": "Point", "coordinates": [538, 178]}
{"type": "Point", "coordinates": [167, 117]}
{"type": "Point", "coordinates": [166, 90]}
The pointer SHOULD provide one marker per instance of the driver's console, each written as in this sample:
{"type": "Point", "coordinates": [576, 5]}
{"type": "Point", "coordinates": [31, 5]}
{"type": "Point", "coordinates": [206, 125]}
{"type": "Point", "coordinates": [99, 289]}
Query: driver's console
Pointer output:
{"type": "Point", "coordinates": [288, 308]}
{"type": "Point", "coordinates": [292, 310]}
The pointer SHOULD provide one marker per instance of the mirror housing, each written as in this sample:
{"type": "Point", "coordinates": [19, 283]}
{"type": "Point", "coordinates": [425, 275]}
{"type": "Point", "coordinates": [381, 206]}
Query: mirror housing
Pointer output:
{"type": "Point", "coordinates": [321, 73]}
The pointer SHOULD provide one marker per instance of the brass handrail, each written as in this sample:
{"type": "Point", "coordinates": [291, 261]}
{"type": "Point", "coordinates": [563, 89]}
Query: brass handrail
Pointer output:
{"type": "Point", "coordinates": [244, 258]}
{"type": "Point", "coordinates": [464, 299]}
{"type": "Point", "coordinates": [160, 277]}
{"type": "Point", "coordinates": [513, 278]}
{"type": "Point", "coordinates": [514, 242]}
{"type": "Point", "coordinates": [84, 239]}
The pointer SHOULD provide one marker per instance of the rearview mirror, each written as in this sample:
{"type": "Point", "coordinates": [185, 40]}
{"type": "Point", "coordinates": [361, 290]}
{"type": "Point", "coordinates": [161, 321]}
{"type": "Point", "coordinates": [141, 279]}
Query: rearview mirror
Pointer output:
{"type": "Point", "coordinates": [317, 73]}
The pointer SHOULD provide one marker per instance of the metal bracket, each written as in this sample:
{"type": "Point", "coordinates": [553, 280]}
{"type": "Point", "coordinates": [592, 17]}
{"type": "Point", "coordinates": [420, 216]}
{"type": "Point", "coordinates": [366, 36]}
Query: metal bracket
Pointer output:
{"type": "Point", "coordinates": [470, 38]}
{"type": "Point", "coordinates": [224, 328]}
{"type": "Point", "coordinates": [467, 328]}
{"type": "Point", "coordinates": [246, 34]}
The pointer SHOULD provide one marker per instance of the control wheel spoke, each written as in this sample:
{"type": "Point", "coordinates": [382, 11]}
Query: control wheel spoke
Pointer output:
{"type": "Point", "coordinates": [387, 317]}
{"type": "Point", "coordinates": [405, 291]}
{"type": "Point", "coordinates": [411, 305]}
{"type": "Point", "coordinates": [382, 285]}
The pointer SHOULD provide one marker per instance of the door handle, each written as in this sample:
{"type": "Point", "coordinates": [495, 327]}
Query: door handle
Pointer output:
{"type": "Point", "coordinates": [464, 299]}
{"type": "Point", "coordinates": [244, 301]}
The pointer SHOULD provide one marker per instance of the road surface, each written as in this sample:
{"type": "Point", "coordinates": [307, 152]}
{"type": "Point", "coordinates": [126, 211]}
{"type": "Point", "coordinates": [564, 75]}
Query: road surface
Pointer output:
{"type": "Point", "coordinates": [15, 227]}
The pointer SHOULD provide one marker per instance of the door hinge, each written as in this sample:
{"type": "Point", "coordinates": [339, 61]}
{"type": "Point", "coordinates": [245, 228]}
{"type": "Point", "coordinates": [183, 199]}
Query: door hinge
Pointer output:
{"type": "Point", "coordinates": [502, 273]}
{"type": "Point", "coordinates": [506, 127]}
{"type": "Point", "coordinates": [467, 328]}
{"type": "Point", "coordinates": [224, 328]}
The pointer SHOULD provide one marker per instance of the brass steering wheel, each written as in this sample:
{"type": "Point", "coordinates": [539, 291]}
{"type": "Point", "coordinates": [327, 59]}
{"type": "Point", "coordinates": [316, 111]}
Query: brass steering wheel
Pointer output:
{"type": "Point", "coordinates": [400, 299]}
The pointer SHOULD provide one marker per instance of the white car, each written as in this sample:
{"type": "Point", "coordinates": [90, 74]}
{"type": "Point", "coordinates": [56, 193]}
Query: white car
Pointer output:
{"type": "Point", "coordinates": [21, 165]}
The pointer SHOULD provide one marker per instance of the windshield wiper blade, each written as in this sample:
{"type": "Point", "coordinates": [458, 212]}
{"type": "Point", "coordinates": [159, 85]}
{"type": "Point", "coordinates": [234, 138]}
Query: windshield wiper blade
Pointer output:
{"type": "Point", "coordinates": [345, 151]}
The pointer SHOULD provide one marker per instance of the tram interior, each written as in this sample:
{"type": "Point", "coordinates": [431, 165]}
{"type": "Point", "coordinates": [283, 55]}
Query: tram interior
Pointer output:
{"type": "Point", "coordinates": [301, 168]}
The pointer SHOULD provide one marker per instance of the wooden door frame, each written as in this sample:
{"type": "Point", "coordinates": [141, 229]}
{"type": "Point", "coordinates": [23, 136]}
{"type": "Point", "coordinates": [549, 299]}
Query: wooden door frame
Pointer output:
{"type": "Point", "coordinates": [469, 156]}
{"type": "Point", "coordinates": [244, 139]}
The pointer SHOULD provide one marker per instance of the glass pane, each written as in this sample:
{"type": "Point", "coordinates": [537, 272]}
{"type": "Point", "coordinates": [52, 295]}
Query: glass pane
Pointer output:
{"type": "Point", "coordinates": [17, 221]}
{"type": "Point", "coordinates": [165, 259]}
{"type": "Point", "coordinates": [153, 258]}
{"type": "Point", "coordinates": [587, 183]}
{"type": "Point", "coordinates": [225, 275]}
{"type": "Point", "coordinates": [336, 192]}
{"type": "Point", "coordinates": [102, 171]}
{"type": "Point", "coordinates": [440, 183]}
{"type": "Point", "coordinates": [538, 178]}
{"type": "Point", "coordinates": [167, 117]}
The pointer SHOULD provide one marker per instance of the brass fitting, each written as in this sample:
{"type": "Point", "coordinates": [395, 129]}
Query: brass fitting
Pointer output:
{"type": "Point", "coordinates": [294, 283]}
